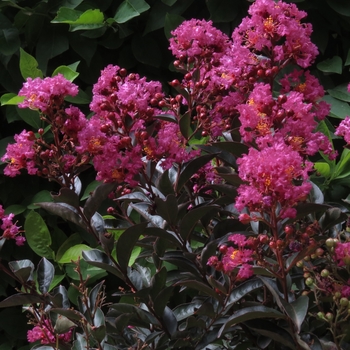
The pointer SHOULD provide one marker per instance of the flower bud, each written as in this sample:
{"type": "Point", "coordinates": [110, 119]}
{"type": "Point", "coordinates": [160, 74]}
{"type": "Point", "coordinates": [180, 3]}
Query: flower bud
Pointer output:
{"type": "Point", "coordinates": [344, 302]}
{"type": "Point", "coordinates": [244, 219]}
{"type": "Point", "coordinates": [324, 273]}
{"type": "Point", "coordinates": [309, 281]}
{"type": "Point", "coordinates": [329, 316]}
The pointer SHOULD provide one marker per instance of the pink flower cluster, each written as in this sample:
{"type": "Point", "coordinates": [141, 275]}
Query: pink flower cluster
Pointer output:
{"type": "Point", "coordinates": [274, 29]}
{"type": "Point", "coordinates": [276, 175]}
{"type": "Point", "coordinates": [10, 229]}
{"type": "Point", "coordinates": [20, 155]}
{"type": "Point", "coordinates": [46, 93]}
{"type": "Point", "coordinates": [235, 258]}
{"type": "Point", "coordinates": [125, 128]}
{"type": "Point", "coordinates": [46, 334]}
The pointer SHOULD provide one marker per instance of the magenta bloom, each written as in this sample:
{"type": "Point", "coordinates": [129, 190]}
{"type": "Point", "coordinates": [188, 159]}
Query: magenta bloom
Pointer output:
{"type": "Point", "coordinates": [198, 38]}
{"type": "Point", "coordinates": [10, 229]}
{"type": "Point", "coordinates": [45, 93]}
{"type": "Point", "coordinates": [276, 175]}
{"type": "Point", "coordinates": [46, 334]}
{"type": "Point", "coordinates": [342, 253]}
{"type": "Point", "coordinates": [20, 155]}
{"type": "Point", "coordinates": [275, 29]}
{"type": "Point", "coordinates": [344, 129]}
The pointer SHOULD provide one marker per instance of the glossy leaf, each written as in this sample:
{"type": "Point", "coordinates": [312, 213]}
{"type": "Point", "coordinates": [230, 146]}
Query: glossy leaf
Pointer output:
{"type": "Point", "coordinates": [297, 310]}
{"type": "Point", "coordinates": [191, 219]}
{"type": "Point", "coordinates": [203, 288]}
{"type": "Point", "coordinates": [97, 196]}
{"type": "Point", "coordinates": [67, 196]}
{"type": "Point", "coordinates": [183, 311]}
{"type": "Point", "coordinates": [45, 275]}
{"type": "Point", "coordinates": [65, 211]}
{"type": "Point", "coordinates": [80, 343]}
{"type": "Point", "coordinates": [340, 92]}
{"type": "Point", "coordinates": [273, 331]}
{"type": "Point", "coordinates": [98, 331]}
{"type": "Point", "coordinates": [332, 217]}
{"type": "Point", "coordinates": [99, 259]}
{"type": "Point", "coordinates": [23, 269]}
{"type": "Point", "coordinates": [191, 168]}
{"type": "Point", "coordinates": [21, 299]}
{"type": "Point", "coordinates": [170, 320]}
{"type": "Point", "coordinates": [63, 324]}
{"type": "Point", "coordinates": [168, 208]}
{"type": "Point", "coordinates": [38, 235]}
{"type": "Point", "coordinates": [126, 243]}
{"type": "Point", "coordinates": [185, 125]}
{"type": "Point", "coordinates": [249, 313]}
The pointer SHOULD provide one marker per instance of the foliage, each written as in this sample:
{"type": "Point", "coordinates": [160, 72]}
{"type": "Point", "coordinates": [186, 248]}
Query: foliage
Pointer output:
{"type": "Point", "coordinates": [203, 228]}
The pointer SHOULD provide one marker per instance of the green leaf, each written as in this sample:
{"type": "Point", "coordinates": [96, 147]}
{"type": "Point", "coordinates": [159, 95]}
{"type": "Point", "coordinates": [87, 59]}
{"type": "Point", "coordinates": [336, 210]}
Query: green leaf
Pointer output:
{"type": "Point", "coordinates": [249, 313]}
{"type": "Point", "coordinates": [323, 168]}
{"type": "Point", "coordinates": [339, 109]}
{"type": "Point", "coordinates": [9, 41]}
{"type": "Point", "coordinates": [81, 98]}
{"type": "Point", "coordinates": [331, 65]}
{"type": "Point", "coordinates": [11, 99]}
{"type": "Point", "coordinates": [347, 62]}
{"type": "Point", "coordinates": [343, 167]}
{"type": "Point", "coordinates": [88, 20]}
{"type": "Point", "coordinates": [129, 9]}
{"type": "Point", "coordinates": [172, 21]}
{"type": "Point", "coordinates": [221, 10]}
{"type": "Point", "coordinates": [126, 244]}
{"type": "Point", "coordinates": [38, 235]}
{"type": "Point", "coordinates": [31, 117]}
{"type": "Point", "coordinates": [45, 275]}
{"type": "Point", "coordinates": [73, 253]}
{"type": "Point", "coordinates": [28, 66]}
{"type": "Point", "coordinates": [340, 92]}
{"type": "Point", "coordinates": [67, 72]}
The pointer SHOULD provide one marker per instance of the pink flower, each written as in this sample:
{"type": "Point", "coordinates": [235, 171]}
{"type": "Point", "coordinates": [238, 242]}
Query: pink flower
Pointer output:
{"type": "Point", "coordinates": [235, 258]}
{"type": "Point", "coordinates": [344, 129]}
{"type": "Point", "coordinates": [245, 271]}
{"type": "Point", "coordinates": [46, 334]}
{"type": "Point", "coordinates": [198, 38]}
{"type": "Point", "coordinates": [239, 240]}
{"type": "Point", "coordinates": [45, 93]}
{"type": "Point", "coordinates": [278, 173]}
{"type": "Point", "coordinates": [275, 29]}
{"type": "Point", "coordinates": [342, 253]}
{"type": "Point", "coordinates": [20, 155]}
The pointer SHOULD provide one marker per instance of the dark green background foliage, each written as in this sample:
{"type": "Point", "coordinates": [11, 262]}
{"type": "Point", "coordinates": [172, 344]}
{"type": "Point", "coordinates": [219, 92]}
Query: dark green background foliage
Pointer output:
{"type": "Point", "coordinates": [90, 34]}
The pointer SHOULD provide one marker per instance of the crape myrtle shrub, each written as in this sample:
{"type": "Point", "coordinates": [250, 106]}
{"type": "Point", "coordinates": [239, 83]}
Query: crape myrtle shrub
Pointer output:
{"type": "Point", "coordinates": [207, 212]}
